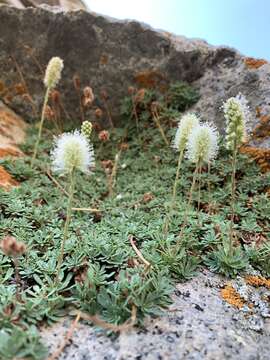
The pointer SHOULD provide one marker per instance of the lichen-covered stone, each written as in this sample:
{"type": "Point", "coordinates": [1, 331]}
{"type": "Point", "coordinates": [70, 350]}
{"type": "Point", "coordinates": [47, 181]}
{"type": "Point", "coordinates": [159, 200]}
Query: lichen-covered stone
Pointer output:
{"type": "Point", "coordinates": [200, 325]}
{"type": "Point", "coordinates": [12, 133]}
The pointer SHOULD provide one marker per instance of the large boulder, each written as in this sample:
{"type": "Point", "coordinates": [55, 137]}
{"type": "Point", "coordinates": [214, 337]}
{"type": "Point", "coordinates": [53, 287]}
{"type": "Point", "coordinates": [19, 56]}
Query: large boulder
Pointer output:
{"type": "Point", "coordinates": [106, 53]}
{"type": "Point", "coordinates": [66, 5]}
{"type": "Point", "coordinates": [12, 133]}
{"type": "Point", "coordinates": [110, 55]}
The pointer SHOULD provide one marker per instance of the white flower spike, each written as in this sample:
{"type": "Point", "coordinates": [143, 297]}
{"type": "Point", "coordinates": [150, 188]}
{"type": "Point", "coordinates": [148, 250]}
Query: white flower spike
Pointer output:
{"type": "Point", "coordinates": [237, 115]}
{"type": "Point", "coordinates": [53, 72]}
{"type": "Point", "coordinates": [186, 124]}
{"type": "Point", "coordinates": [202, 145]}
{"type": "Point", "coordinates": [72, 151]}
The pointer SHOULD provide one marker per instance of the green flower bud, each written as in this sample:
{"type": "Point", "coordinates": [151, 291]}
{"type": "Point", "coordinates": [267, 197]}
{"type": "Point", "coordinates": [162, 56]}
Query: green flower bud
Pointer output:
{"type": "Point", "coordinates": [86, 129]}
{"type": "Point", "coordinates": [237, 114]}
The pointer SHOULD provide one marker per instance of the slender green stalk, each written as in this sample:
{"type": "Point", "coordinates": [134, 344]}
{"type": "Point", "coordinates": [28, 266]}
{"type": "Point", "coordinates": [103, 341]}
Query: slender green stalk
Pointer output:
{"type": "Point", "coordinates": [68, 218]}
{"type": "Point", "coordinates": [17, 277]}
{"type": "Point", "coordinates": [233, 188]}
{"type": "Point", "coordinates": [108, 112]}
{"type": "Point", "coordinates": [176, 248]}
{"type": "Point", "coordinates": [112, 178]}
{"type": "Point", "coordinates": [81, 105]}
{"type": "Point", "coordinates": [209, 187]}
{"type": "Point", "coordinates": [46, 98]}
{"type": "Point", "coordinates": [199, 186]}
{"type": "Point", "coordinates": [134, 111]}
{"type": "Point", "coordinates": [168, 216]}
{"type": "Point", "coordinates": [157, 122]}
{"type": "Point", "coordinates": [208, 177]}
{"type": "Point", "coordinates": [199, 192]}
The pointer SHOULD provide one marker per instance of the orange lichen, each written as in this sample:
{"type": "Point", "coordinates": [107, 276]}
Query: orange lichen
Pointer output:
{"type": "Point", "coordinates": [258, 111]}
{"type": "Point", "coordinates": [151, 79]}
{"type": "Point", "coordinates": [262, 130]}
{"type": "Point", "coordinates": [20, 89]}
{"type": "Point", "coordinates": [259, 133]}
{"type": "Point", "coordinates": [6, 181]}
{"type": "Point", "coordinates": [253, 63]}
{"type": "Point", "coordinates": [231, 296]}
{"type": "Point", "coordinates": [261, 156]}
{"type": "Point", "coordinates": [104, 59]}
{"type": "Point", "coordinates": [11, 134]}
{"type": "Point", "coordinates": [8, 98]}
{"type": "Point", "coordinates": [8, 151]}
{"type": "Point", "coordinates": [258, 281]}
{"type": "Point", "coordinates": [2, 87]}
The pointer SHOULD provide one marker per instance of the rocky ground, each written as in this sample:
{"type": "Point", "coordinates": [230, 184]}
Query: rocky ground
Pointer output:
{"type": "Point", "coordinates": [200, 324]}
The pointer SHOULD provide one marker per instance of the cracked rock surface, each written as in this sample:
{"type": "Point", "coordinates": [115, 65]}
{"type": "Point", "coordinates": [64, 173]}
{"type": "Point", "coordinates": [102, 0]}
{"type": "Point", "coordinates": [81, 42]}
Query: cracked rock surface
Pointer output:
{"type": "Point", "coordinates": [200, 325]}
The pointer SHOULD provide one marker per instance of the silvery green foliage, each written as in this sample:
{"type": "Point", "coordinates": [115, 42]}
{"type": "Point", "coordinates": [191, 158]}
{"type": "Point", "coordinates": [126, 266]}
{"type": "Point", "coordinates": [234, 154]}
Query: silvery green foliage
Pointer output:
{"type": "Point", "coordinates": [186, 124]}
{"type": "Point", "coordinates": [53, 72]}
{"type": "Point", "coordinates": [237, 116]}
{"type": "Point", "coordinates": [202, 145]}
{"type": "Point", "coordinates": [72, 151]}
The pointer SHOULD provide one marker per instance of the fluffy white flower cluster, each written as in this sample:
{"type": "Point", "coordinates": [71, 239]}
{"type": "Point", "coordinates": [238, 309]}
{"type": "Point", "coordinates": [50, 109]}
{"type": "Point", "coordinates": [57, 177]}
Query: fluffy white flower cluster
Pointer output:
{"type": "Point", "coordinates": [72, 151]}
{"type": "Point", "coordinates": [202, 145]}
{"type": "Point", "coordinates": [200, 140]}
{"type": "Point", "coordinates": [185, 126]}
{"type": "Point", "coordinates": [53, 72]}
{"type": "Point", "coordinates": [237, 116]}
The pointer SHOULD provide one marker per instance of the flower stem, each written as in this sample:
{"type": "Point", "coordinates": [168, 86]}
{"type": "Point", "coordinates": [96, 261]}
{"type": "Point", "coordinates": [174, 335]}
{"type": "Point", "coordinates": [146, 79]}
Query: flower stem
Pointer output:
{"type": "Point", "coordinates": [157, 122]}
{"type": "Point", "coordinates": [209, 188]}
{"type": "Point", "coordinates": [176, 248]}
{"type": "Point", "coordinates": [112, 177]}
{"type": "Point", "coordinates": [199, 192]}
{"type": "Point", "coordinates": [233, 187]}
{"type": "Point", "coordinates": [134, 111]}
{"type": "Point", "coordinates": [168, 216]}
{"type": "Point", "coordinates": [108, 113]}
{"type": "Point", "coordinates": [40, 125]}
{"type": "Point", "coordinates": [68, 218]}
{"type": "Point", "coordinates": [81, 105]}
{"type": "Point", "coordinates": [199, 187]}
{"type": "Point", "coordinates": [17, 277]}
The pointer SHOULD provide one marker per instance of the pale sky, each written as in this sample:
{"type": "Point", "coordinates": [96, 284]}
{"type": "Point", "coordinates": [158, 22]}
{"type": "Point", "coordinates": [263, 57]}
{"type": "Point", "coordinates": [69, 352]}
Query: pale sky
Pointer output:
{"type": "Point", "coordinates": [243, 24]}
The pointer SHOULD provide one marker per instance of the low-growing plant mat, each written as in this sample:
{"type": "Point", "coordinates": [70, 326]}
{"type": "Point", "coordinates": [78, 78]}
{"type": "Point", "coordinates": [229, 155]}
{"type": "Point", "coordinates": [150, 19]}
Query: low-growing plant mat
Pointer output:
{"type": "Point", "coordinates": [110, 242]}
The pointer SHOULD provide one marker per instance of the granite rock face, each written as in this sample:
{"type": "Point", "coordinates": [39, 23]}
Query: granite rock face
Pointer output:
{"type": "Point", "coordinates": [66, 5]}
{"type": "Point", "coordinates": [12, 133]}
{"type": "Point", "coordinates": [199, 326]}
{"type": "Point", "coordinates": [110, 54]}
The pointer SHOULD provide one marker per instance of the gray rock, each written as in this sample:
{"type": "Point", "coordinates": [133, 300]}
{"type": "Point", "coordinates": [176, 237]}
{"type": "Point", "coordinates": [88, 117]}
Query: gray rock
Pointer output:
{"type": "Point", "coordinates": [109, 54]}
{"type": "Point", "coordinates": [63, 4]}
{"type": "Point", "coordinates": [104, 52]}
{"type": "Point", "coordinates": [200, 326]}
